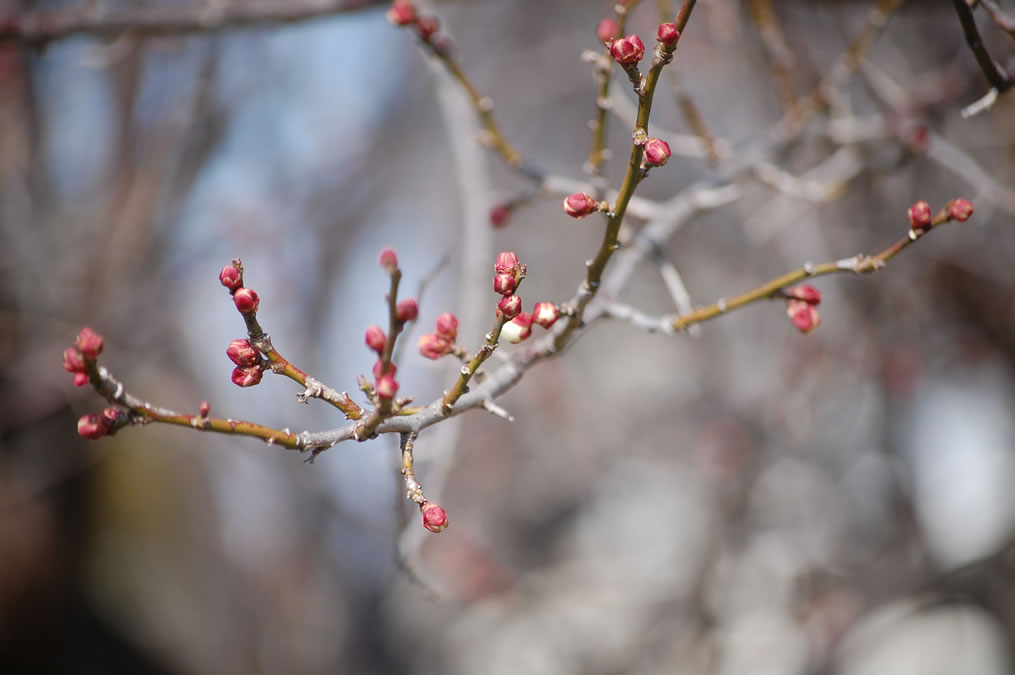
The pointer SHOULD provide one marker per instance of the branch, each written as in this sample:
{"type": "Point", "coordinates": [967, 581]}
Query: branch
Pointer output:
{"type": "Point", "coordinates": [995, 75]}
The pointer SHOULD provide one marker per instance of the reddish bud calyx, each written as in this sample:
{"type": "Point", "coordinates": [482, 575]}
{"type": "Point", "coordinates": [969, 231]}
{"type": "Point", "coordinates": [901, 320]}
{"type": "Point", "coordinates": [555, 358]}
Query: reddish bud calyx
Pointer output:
{"type": "Point", "coordinates": [627, 51]}
{"type": "Point", "coordinates": [246, 300]}
{"type": "Point", "coordinates": [517, 330]}
{"type": "Point", "coordinates": [668, 34]}
{"type": "Point", "coordinates": [243, 354]}
{"type": "Point", "coordinates": [80, 379]}
{"type": "Point", "coordinates": [204, 409]}
{"type": "Point", "coordinates": [401, 13]}
{"type": "Point", "coordinates": [375, 338]}
{"type": "Point", "coordinates": [507, 262]}
{"type": "Point", "coordinates": [230, 277]}
{"type": "Point", "coordinates": [434, 346]}
{"type": "Point", "coordinates": [919, 216]}
{"type": "Point", "coordinates": [247, 377]}
{"type": "Point", "coordinates": [435, 518]}
{"type": "Point", "coordinates": [89, 343]}
{"type": "Point", "coordinates": [960, 209]}
{"type": "Point", "coordinates": [657, 152]}
{"type": "Point", "coordinates": [407, 310]}
{"type": "Point", "coordinates": [73, 361]}
{"type": "Point", "coordinates": [607, 30]}
{"type": "Point", "coordinates": [510, 306]}
{"type": "Point", "coordinates": [545, 314]}
{"type": "Point", "coordinates": [803, 314]}
{"type": "Point", "coordinates": [504, 284]}
{"type": "Point", "coordinates": [387, 387]}
{"type": "Point", "coordinates": [91, 427]}
{"type": "Point", "coordinates": [447, 326]}
{"type": "Point", "coordinates": [388, 260]}
{"type": "Point", "coordinates": [579, 205]}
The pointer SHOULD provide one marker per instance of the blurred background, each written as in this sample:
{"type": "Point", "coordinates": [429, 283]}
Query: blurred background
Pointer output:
{"type": "Point", "coordinates": [748, 501]}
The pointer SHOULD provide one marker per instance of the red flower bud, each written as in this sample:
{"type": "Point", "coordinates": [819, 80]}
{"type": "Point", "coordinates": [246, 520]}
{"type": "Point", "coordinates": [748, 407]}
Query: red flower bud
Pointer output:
{"type": "Point", "coordinates": [247, 377]}
{"type": "Point", "coordinates": [805, 292]}
{"type": "Point", "coordinates": [375, 338]}
{"type": "Point", "coordinates": [401, 13]}
{"type": "Point", "coordinates": [230, 277]}
{"type": "Point", "coordinates": [958, 209]}
{"type": "Point", "coordinates": [657, 152]}
{"type": "Point", "coordinates": [407, 310]}
{"type": "Point", "coordinates": [428, 25]}
{"type": "Point", "coordinates": [73, 361]}
{"type": "Point", "coordinates": [668, 34]}
{"type": "Point", "coordinates": [919, 216]}
{"type": "Point", "coordinates": [204, 409]}
{"type": "Point", "coordinates": [447, 326]}
{"type": "Point", "coordinates": [579, 205]}
{"type": "Point", "coordinates": [243, 354]}
{"type": "Point", "coordinates": [434, 346]}
{"type": "Point", "coordinates": [518, 329]}
{"type": "Point", "coordinates": [504, 284]}
{"type": "Point", "coordinates": [246, 300]}
{"type": "Point", "coordinates": [112, 419]}
{"type": "Point", "coordinates": [507, 262]}
{"type": "Point", "coordinates": [80, 379]}
{"type": "Point", "coordinates": [89, 343]}
{"type": "Point", "coordinates": [545, 314]}
{"type": "Point", "coordinates": [392, 368]}
{"type": "Point", "coordinates": [435, 518]}
{"type": "Point", "coordinates": [388, 260]}
{"type": "Point", "coordinates": [510, 306]}
{"type": "Point", "coordinates": [500, 214]}
{"type": "Point", "coordinates": [803, 315]}
{"type": "Point", "coordinates": [628, 50]}
{"type": "Point", "coordinates": [387, 387]}
{"type": "Point", "coordinates": [91, 427]}
{"type": "Point", "coordinates": [607, 30]}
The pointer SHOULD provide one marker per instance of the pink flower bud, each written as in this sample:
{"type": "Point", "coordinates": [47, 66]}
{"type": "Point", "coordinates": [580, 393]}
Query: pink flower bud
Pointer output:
{"type": "Point", "coordinates": [246, 300]}
{"type": "Point", "coordinates": [434, 346]}
{"type": "Point", "coordinates": [507, 262]}
{"type": "Point", "coordinates": [428, 25]}
{"type": "Point", "coordinates": [958, 209]}
{"type": "Point", "coordinates": [447, 326]}
{"type": "Point", "coordinates": [504, 284]}
{"type": "Point", "coordinates": [500, 214]}
{"type": "Point", "coordinates": [247, 377]}
{"type": "Point", "coordinates": [545, 314]}
{"type": "Point", "coordinates": [518, 329]}
{"type": "Point", "coordinates": [388, 260]}
{"type": "Point", "coordinates": [803, 315]}
{"type": "Point", "coordinates": [806, 293]}
{"type": "Point", "coordinates": [919, 216]}
{"type": "Point", "coordinates": [387, 387]}
{"type": "Point", "coordinates": [375, 338]}
{"type": "Point", "coordinates": [392, 368]}
{"type": "Point", "coordinates": [401, 13]}
{"type": "Point", "coordinates": [112, 419]}
{"type": "Point", "coordinates": [407, 310]}
{"type": "Point", "coordinates": [243, 354]}
{"type": "Point", "coordinates": [205, 409]}
{"type": "Point", "coordinates": [230, 277]}
{"type": "Point", "coordinates": [668, 34]}
{"type": "Point", "coordinates": [628, 50]}
{"type": "Point", "coordinates": [510, 306]}
{"type": "Point", "coordinates": [89, 343]}
{"type": "Point", "coordinates": [657, 152]}
{"type": "Point", "coordinates": [73, 361]}
{"type": "Point", "coordinates": [91, 427]}
{"type": "Point", "coordinates": [435, 518]}
{"type": "Point", "coordinates": [607, 30]}
{"type": "Point", "coordinates": [80, 379]}
{"type": "Point", "coordinates": [579, 205]}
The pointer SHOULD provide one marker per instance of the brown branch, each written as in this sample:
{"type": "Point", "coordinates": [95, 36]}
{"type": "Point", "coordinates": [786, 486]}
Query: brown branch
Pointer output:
{"type": "Point", "coordinates": [991, 69]}
{"type": "Point", "coordinates": [997, 15]}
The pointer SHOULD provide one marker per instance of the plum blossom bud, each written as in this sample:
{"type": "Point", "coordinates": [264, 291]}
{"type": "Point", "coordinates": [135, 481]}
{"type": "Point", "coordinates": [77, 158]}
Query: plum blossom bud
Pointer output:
{"type": "Point", "coordinates": [958, 209]}
{"type": "Point", "coordinates": [434, 346]}
{"type": "Point", "coordinates": [91, 427]}
{"type": "Point", "coordinates": [919, 216]}
{"type": "Point", "coordinates": [407, 310]}
{"type": "Point", "coordinates": [392, 369]}
{"type": "Point", "coordinates": [668, 34]}
{"type": "Point", "coordinates": [510, 306]}
{"type": "Point", "coordinates": [89, 343]}
{"type": "Point", "coordinates": [806, 293]}
{"type": "Point", "coordinates": [447, 326]}
{"type": "Point", "coordinates": [73, 361]}
{"type": "Point", "coordinates": [243, 354]}
{"type": "Point", "coordinates": [504, 284]}
{"type": "Point", "coordinates": [435, 518]}
{"type": "Point", "coordinates": [518, 329]}
{"type": "Point", "coordinates": [507, 262]}
{"type": "Point", "coordinates": [401, 13]}
{"type": "Point", "coordinates": [500, 214]}
{"type": "Point", "coordinates": [230, 277]}
{"type": "Point", "coordinates": [246, 300]}
{"type": "Point", "coordinates": [113, 419]}
{"type": "Point", "coordinates": [607, 30]}
{"type": "Point", "coordinates": [205, 409]}
{"type": "Point", "coordinates": [375, 338]}
{"type": "Point", "coordinates": [545, 314]}
{"type": "Point", "coordinates": [387, 387]}
{"type": "Point", "coordinates": [428, 25]}
{"type": "Point", "coordinates": [803, 315]}
{"type": "Point", "coordinates": [80, 379]}
{"type": "Point", "coordinates": [388, 260]}
{"type": "Point", "coordinates": [657, 152]}
{"type": "Point", "coordinates": [579, 205]}
{"type": "Point", "coordinates": [628, 50]}
{"type": "Point", "coordinates": [247, 377]}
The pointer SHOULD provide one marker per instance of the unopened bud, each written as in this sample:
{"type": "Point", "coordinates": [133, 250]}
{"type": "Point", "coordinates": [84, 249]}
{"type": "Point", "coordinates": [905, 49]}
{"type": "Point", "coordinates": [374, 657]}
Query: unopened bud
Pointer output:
{"type": "Point", "coordinates": [960, 209]}
{"type": "Point", "coordinates": [89, 343]}
{"type": "Point", "coordinates": [510, 306]}
{"type": "Point", "coordinates": [230, 277]}
{"type": "Point", "coordinates": [387, 387]}
{"type": "Point", "coordinates": [407, 310]}
{"type": "Point", "coordinates": [500, 215]}
{"type": "Point", "coordinates": [628, 50]}
{"type": "Point", "coordinates": [435, 518]}
{"type": "Point", "coordinates": [246, 300]}
{"type": "Point", "coordinates": [392, 369]}
{"type": "Point", "coordinates": [668, 34]}
{"type": "Point", "coordinates": [428, 25]}
{"type": "Point", "coordinates": [447, 326]}
{"type": "Point", "coordinates": [657, 152]}
{"type": "Point", "coordinates": [80, 379]}
{"type": "Point", "coordinates": [434, 346]}
{"type": "Point", "coordinates": [388, 260]}
{"type": "Point", "coordinates": [375, 338]}
{"type": "Point", "coordinates": [579, 205]}
{"type": "Point", "coordinates": [247, 377]}
{"type": "Point", "coordinates": [919, 216]}
{"type": "Point", "coordinates": [507, 262]}
{"type": "Point", "coordinates": [803, 315]}
{"type": "Point", "coordinates": [806, 293]}
{"type": "Point", "coordinates": [504, 284]}
{"type": "Point", "coordinates": [401, 13]}
{"type": "Point", "coordinates": [243, 354]}
{"type": "Point", "coordinates": [73, 361]}
{"type": "Point", "coordinates": [545, 314]}
{"type": "Point", "coordinates": [607, 30]}
{"type": "Point", "coordinates": [91, 427]}
{"type": "Point", "coordinates": [205, 409]}
{"type": "Point", "coordinates": [518, 329]}
{"type": "Point", "coordinates": [113, 419]}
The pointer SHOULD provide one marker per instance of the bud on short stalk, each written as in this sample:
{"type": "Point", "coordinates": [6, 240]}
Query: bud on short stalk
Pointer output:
{"type": "Point", "coordinates": [627, 51]}
{"type": "Point", "coordinates": [435, 518]}
{"type": "Point", "coordinates": [579, 205]}
{"type": "Point", "coordinates": [433, 346]}
{"type": "Point", "coordinates": [407, 310]}
{"type": "Point", "coordinates": [246, 300]}
{"type": "Point", "coordinates": [545, 314]}
{"type": "Point", "coordinates": [247, 377]}
{"type": "Point", "coordinates": [231, 277]}
{"type": "Point", "coordinates": [89, 343]}
{"type": "Point", "coordinates": [243, 354]}
{"type": "Point", "coordinates": [388, 260]}
{"type": "Point", "coordinates": [518, 329]}
{"type": "Point", "coordinates": [447, 326]}
{"type": "Point", "coordinates": [919, 216]}
{"type": "Point", "coordinates": [510, 306]}
{"type": "Point", "coordinates": [657, 152]}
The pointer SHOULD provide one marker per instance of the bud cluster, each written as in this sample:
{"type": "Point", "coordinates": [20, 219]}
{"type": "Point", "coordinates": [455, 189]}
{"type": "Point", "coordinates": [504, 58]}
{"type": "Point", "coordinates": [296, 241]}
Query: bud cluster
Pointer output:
{"type": "Point", "coordinates": [93, 426]}
{"type": "Point", "coordinates": [86, 349]}
{"type": "Point", "coordinates": [249, 363]}
{"type": "Point", "coordinates": [403, 13]}
{"type": "Point", "coordinates": [627, 51]}
{"type": "Point", "coordinates": [802, 307]}
{"type": "Point", "coordinates": [245, 299]}
{"type": "Point", "coordinates": [442, 341]}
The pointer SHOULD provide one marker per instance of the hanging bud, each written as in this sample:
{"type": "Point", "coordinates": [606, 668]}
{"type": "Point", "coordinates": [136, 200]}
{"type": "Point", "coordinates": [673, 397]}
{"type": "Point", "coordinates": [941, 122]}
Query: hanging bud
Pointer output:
{"type": "Point", "coordinates": [919, 216]}
{"type": "Point", "coordinates": [607, 30]}
{"type": "Point", "coordinates": [507, 262]}
{"type": "Point", "coordinates": [518, 329]}
{"type": "Point", "coordinates": [657, 152]}
{"type": "Point", "coordinates": [435, 518]}
{"type": "Point", "coordinates": [387, 387]}
{"type": "Point", "coordinates": [243, 354]}
{"type": "Point", "coordinates": [407, 310]}
{"type": "Point", "coordinates": [627, 51]}
{"type": "Point", "coordinates": [803, 315]}
{"type": "Point", "coordinates": [401, 13]}
{"type": "Point", "coordinates": [434, 346]}
{"type": "Point", "coordinates": [247, 377]}
{"type": "Point", "coordinates": [89, 343]}
{"type": "Point", "coordinates": [504, 284]}
{"type": "Point", "coordinates": [579, 205]}
{"type": "Point", "coordinates": [91, 427]}
{"type": "Point", "coordinates": [806, 293]}
{"type": "Point", "coordinates": [73, 361]}
{"type": "Point", "coordinates": [545, 314]}
{"type": "Point", "coordinates": [388, 260]}
{"type": "Point", "coordinates": [230, 277]}
{"type": "Point", "coordinates": [668, 34]}
{"type": "Point", "coordinates": [246, 300]}
{"type": "Point", "coordinates": [510, 306]}
{"type": "Point", "coordinates": [958, 209]}
{"type": "Point", "coordinates": [447, 326]}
